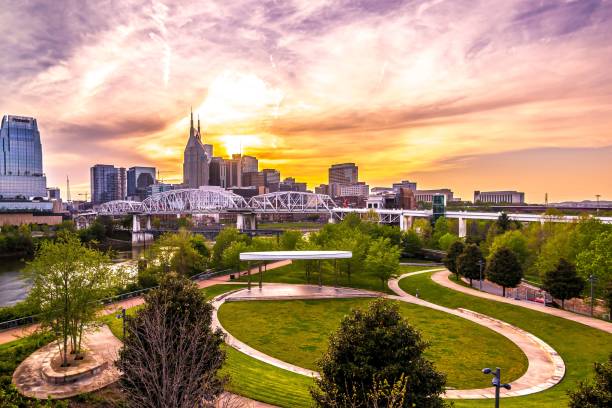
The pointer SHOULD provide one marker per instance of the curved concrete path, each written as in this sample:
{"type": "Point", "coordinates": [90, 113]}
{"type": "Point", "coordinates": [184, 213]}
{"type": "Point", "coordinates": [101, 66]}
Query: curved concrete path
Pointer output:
{"type": "Point", "coordinates": [442, 278]}
{"type": "Point", "coordinates": [546, 368]}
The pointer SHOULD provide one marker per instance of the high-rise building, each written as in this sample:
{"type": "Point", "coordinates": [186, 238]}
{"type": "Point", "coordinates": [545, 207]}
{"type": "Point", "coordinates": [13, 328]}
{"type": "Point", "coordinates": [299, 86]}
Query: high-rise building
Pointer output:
{"type": "Point", "coordinates": [108, 183]}
{"type": "Point", "coordinates": [250, 164]}
{"type": "Point", "coordinates": [197, 159]}
{"type": "Point", "coordinates": [344, 173]}
{"type": "Point", "coordinates": [21, 169]}
{"type": "Point", "coordinates": [53, 193]}
{"type": "Point", "coordinates": [322, 189]}
{"type": "Point", "coordinates": [217, 172]}
{"type": "Point", "coordinates": [138, 179]}
{"type": "Point", "coordinates": [271, 179]}
{"type": "Point", "coordinates": [233, 171]}
{"type": "Point", "coordinates": [254, 179]}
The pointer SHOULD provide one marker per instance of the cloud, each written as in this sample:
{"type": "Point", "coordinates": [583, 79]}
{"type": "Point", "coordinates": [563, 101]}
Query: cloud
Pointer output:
{"type": "Point", "coordinates": [397, 86]}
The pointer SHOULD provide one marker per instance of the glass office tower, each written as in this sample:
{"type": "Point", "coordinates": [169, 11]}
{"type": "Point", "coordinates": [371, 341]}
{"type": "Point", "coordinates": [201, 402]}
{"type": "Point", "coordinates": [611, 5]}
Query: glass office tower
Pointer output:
{"type": "Point", "coordinates": [21, 171]}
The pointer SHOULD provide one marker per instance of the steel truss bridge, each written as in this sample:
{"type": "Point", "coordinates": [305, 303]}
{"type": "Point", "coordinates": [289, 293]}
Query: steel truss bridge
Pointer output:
{"type": "Point", "coordinates": [213, 200]}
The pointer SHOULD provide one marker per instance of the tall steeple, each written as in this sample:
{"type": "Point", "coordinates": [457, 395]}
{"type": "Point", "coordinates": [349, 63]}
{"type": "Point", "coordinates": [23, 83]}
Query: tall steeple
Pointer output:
{"type": "Point", "coordinates": [199, 134]}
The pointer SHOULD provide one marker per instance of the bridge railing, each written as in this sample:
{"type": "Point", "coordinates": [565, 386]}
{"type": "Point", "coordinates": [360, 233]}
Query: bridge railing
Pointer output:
{"type": "Point", "coordinates": [27, 320]}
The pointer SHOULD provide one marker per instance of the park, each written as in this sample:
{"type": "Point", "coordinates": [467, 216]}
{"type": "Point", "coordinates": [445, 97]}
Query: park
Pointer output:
{"type": "Point", "coordinates": [275, 313]}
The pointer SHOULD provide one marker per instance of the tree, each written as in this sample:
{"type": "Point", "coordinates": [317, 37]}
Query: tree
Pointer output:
{"type": "Point", "coordinates": [179, 252]}
{"type": "Point", "coordinates": [377, 346]}
{"type": "Point", "coordinates": [68, 280]}
{"type": "Point", "coordinates": [450, 260]}
{"type": "Point", "coordinates": [597, 260]}
{"type": "Point", "coordinates": [563, 282]}
{"type": "Point", "coordinates": [441, 228]}
{"type": "Point", "coordinates": [597, 393]}
{"type": "Point", "coordinates": [422, 227]}
{"type": "Point", "coordinates": [447, 240]}
{"type": "Point", "coordinates": [224, 240]}
{"type": "Point", "coordinates": [289, 240]}
{"type": "Point", "coordinates": [513, 240]}
{"type": "Point", "coordinates": [171, 357]}
{"type": "Point", "coordinates": [382, 260]}
{"type": "Point", "coordinates": [504, 269]}
{"type": "Point", "coordinates": [231, 256]}
{"type": "Point", "coordinates": [468, 263]}
{"type": "Point", "coordinates": [503, 223]}
{"type": "Point", "coordinates": [199, 244]}
{"type": "Point", "coordinates": [411, 243]}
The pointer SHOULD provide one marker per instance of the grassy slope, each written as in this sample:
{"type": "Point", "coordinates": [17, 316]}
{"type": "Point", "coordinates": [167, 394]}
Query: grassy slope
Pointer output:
{"type": "Point", "coordinates": [578, 345]}
{"type": "Point", "coordinates": [297, 332]}
{"type": "Point", "coordinates": [295, 274]}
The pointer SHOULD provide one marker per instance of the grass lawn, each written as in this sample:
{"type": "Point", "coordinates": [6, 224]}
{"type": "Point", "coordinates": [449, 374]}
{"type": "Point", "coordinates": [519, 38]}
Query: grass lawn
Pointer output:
{"type": "Point", "coordinates": [294, 273]}
{"type": "Point", "coordinates": [579, 345]}
{"type": "Point", "coordinates": [296, 331]}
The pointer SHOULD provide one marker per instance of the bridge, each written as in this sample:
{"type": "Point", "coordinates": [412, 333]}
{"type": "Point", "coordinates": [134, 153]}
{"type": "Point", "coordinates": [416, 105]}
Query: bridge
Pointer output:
{"type": "Point", "coordinates": [215, 200]}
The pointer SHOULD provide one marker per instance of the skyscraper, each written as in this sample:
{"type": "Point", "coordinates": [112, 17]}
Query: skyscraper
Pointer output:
{"type": "Point", "coordinates": [138, 179]}
{"type": "Point", "coordinates": [21, 170]}
{"type": "Point", "coordinates": [108, 183]}
{"type": "Point", "coordinates": [342, 174]}
{"type": "Point", "coordinates": [197, 159]}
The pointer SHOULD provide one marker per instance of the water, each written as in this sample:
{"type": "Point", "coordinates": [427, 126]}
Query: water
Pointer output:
{"type": "Point", "coordinates": [15, 286]}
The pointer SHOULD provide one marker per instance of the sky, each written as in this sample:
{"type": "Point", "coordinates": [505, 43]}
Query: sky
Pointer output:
{"type": "Point", "coordinates": [461, 94]}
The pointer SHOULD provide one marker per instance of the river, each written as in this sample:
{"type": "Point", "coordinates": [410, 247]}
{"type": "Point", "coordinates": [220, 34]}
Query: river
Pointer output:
{"type": "Point", "coordinates": [15, 286]}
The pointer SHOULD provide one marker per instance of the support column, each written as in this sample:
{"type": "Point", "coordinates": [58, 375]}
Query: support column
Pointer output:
{"type": "Point", "coordinates": [462, 227]}
{"type": "Point", "coordinates": [406, 222]}
{"type": "Point", "coordinates": [331, 219]}
{"type": "Point", "coordinates": [249, 273]}
{"type": "Point", "coordinates": [148, 222]}
{"type": "Point", "coordinates": [320, 277]}
{"type": "Point", "coordinates": [253, 221]}
{"type": "Point", "coordinates": [135, 223]}
{"type": "Point", "coordinates": [240, 222]}
{"type": "Point", "coordinates": [260, 276]}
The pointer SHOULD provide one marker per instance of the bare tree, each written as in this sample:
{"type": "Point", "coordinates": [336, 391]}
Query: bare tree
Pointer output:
{"type": "Point", "coordinates": [171, 357]}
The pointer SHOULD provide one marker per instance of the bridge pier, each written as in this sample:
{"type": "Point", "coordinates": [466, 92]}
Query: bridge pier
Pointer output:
{"type": "Point", "coordinates": [462, 227]}
{"type": "Point", "coordinates": [331, 219]}
{"type": "Point", "coordinates": [148, 223]}
{"type": "Point", "coordinates": [406, 222]}
{"type": "Point", "coordinates": [140, 237]}
{"type": "Point", "coordinates": [246, 221]}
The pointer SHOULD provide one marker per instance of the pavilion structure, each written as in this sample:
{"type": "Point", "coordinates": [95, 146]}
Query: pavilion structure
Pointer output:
{"type": "Point", "coordinates": [261, 258]}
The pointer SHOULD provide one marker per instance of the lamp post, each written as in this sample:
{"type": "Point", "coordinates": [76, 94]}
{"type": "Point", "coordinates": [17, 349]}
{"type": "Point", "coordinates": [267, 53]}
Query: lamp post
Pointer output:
{"type": "Point", "coordinates": [122, 317]}
{"type": "Point", "coordinates": [480, 266]}
{"type": "Point", "coordinates": [496, 381]}
{"type": "Point", "coordinates": [592, 280]}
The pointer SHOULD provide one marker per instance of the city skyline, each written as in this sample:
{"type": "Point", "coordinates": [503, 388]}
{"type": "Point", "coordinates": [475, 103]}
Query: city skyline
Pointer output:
{"type": "Point", "coordinates": [487, 97]}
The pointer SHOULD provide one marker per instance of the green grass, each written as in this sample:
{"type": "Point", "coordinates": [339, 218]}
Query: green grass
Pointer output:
{"type": "Point", "coordinates": [264, 382]}
{"type": "Point", "coordinates": [579, 345]}
{"type": "Point", "coordinates": [295, 274]}
{"type": "Point", "coordinates": [216, 290]}
{"type": "Point", "coordinates": [297, 331]}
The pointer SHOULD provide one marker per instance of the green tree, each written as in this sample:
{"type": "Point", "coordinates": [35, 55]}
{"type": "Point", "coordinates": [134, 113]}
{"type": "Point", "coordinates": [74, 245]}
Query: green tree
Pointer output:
{"type": "Point", "coordinates": [411, 244]}
{"type": "Point", "coordinates": [224, 240]}
{"type": "Point", "coordinates": [450, 260]}
{"type": "Point", "coordinates": [289, 240]}
{"type": "Point", "coordinates": [423, 228]}
{"type": "Point", "coordinates": [441, 228]}
{"type": "Point", "coordinates": [199, 244]}
{"type": "Point", "coordinates": [382, 260]}
{"type": "Point", "coordinates": [563, 282]}
{"type": "Point", "coordinates": [504, 269]}
{"type": "Point", "coordinates": [597, 393]}
{"type": "Point", "coordinates": [447, 240]}
{"type": "Point", "coordinates": [468, 263]}
{"type": "Point", "coordinates": [171, 357]}
{"type": "Point", "coordinates": [503, 223]}
{"type": "Point", "coordinates": [513, 240]}
{"type": "Point", "coordinates": [68, 279]}
{"type": "Point", "coordinates": [231, 256]}
{"type": "Point", "coordinates": [374, 346]}
{"type": "Point", "coordinates": [597, 260]}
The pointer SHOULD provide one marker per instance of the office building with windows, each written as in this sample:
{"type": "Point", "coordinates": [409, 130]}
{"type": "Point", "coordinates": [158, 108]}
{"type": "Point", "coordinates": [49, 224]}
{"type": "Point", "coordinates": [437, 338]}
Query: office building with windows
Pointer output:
{"type": "Point", "coordinates": [499, 197]}
{"type": "Point", "coordinates": [138, 179]}
{"type": "Point", "coordinates": [107, 183]}
{"type": "Point", "coordinates": [21, 169]}
{"type": "Point", "coordinates": [196, 159]}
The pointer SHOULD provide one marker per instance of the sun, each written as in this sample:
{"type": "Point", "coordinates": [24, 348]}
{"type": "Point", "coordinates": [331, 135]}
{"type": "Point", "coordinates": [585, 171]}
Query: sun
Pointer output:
{"type": "Point", "coordinates": [240, 144]}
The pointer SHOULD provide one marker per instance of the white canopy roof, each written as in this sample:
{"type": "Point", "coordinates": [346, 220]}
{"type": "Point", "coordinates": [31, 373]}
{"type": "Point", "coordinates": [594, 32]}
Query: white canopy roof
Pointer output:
{"type": "Point", "coordinates": [283, 255]}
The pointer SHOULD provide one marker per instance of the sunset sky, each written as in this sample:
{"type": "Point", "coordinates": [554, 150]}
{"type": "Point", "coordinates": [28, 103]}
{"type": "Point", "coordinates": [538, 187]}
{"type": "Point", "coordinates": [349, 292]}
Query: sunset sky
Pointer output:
{"type": "Point", "coordinates": [469, 95]}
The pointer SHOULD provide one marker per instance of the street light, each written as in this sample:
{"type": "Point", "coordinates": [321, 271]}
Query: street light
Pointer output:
{"type": "Point", "coordinates": [122, 316]}
{"type": "Point", "coordinates": [496, 381]}
{"type": "Point", "coordinates": [592, 279]}
{"type": "Point", "coordinates": [480, 265]}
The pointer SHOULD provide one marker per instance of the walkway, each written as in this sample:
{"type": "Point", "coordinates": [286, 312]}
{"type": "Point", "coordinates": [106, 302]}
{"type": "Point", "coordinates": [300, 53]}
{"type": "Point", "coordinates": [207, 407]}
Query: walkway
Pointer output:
{"type": "Point", "coordinates": [442, 278]}
{"type": "Point", "coordinates": [546, 368]}
{"type": "Point", "coordinates": [24, 331]}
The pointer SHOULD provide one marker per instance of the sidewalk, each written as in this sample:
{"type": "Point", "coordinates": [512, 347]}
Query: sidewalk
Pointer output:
{"type": "Point", "coordinates": [442, 278]}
